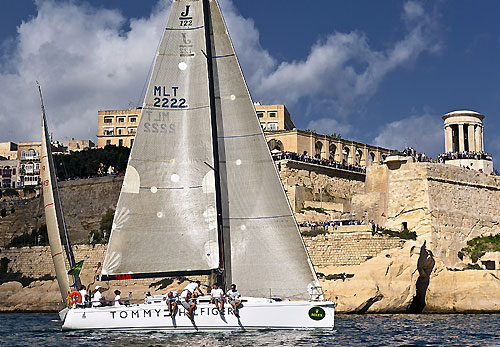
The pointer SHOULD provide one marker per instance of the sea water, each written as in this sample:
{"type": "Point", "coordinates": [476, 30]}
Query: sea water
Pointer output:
{"type": "Point", "coordinates": [350, 330]}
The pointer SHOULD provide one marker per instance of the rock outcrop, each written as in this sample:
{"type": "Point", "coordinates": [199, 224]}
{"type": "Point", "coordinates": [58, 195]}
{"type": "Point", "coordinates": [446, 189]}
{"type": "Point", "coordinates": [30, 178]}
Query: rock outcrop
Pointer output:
{"type": "Point", "coordinates": [411, 279]}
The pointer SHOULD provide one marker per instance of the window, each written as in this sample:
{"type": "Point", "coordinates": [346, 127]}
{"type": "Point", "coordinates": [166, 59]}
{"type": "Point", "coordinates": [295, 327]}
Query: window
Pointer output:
{"type": "Point", "coordinates": [14, 171]}
{"type": "Point", "coordinates": [121, 120]}
{"type": "Point", "coordinates": [108, 119]}
{"type": "Point", "coordinates": [260, 114]}
{"type": "Point", "coordinates": [132, 119]}
{"type": "Point", "coordinates": [108, 142]}
{"type": "Point", "coordinates": [131, 142]}
{"type": "Point", "coordinates": [132, 130]}
{"type": "Point", "coordinates": [263, 126]}
{"type": "Point", "coordinates": [120, 131]}
{"type": "Point", "coordinates": [120, 142]}
{"type": "Point", "coordinates": [109, 131]}
{"type": "Point", "coordinates": [272, 126]}
{"type": "Point", "coordinates": [272, 114]}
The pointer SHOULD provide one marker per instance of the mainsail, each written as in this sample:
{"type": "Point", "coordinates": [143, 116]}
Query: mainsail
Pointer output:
{"type": "Point", "coordinates": [53, 210]}
{"type": "Point", "coordinates": [166, 217]}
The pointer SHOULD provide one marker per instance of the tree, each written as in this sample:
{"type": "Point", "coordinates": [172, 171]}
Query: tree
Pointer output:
{"type": "Point", "coordinates": [102, 236]}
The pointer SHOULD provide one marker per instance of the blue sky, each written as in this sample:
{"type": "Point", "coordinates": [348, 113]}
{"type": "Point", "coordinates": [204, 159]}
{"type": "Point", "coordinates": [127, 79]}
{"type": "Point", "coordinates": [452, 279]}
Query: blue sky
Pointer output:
{"type": "Point", "coordinates": [381, 72]}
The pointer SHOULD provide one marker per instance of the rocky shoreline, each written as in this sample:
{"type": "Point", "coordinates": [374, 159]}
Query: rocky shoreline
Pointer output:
{"type": "Point", "coordinates": [407, 279]}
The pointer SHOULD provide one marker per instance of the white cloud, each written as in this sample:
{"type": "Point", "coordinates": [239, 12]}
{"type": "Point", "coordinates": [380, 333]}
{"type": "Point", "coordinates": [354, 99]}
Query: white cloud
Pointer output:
{"type": "Point", "coordinates": [424, 133]}
{"type": "Point", "coordinates": [85, 61]}
{"type": "Point", "coordinates": [88, 59]}
{"type": "Point", "coordinates": [345, 69]}
{"type": "Point", "coordinates": [329, 126]}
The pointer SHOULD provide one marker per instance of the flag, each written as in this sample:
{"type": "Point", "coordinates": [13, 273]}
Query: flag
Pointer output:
{"type": "Point", "coordinates": [75, 269]}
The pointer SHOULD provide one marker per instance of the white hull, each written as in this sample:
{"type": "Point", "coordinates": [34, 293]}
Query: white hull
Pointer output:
{"type": "Point", "coordinates": [254, 314]}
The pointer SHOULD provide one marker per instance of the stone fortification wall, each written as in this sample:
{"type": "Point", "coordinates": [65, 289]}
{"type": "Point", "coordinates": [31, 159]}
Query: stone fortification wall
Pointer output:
{"type": "Point", "coordinates": [84, 202]}
{"type": "Point", "coordinates": [37, 261]}
{"type": "Point", "coordinates": [463, 204]}
{"type": "Point", "coordinates": [308, 183]}
{"type": "Point", "coordinates": [443, 204]}
{"type": "Point", "coordinates": [344, 249]}
{"type": "Point", "coordinates": [325, 250]}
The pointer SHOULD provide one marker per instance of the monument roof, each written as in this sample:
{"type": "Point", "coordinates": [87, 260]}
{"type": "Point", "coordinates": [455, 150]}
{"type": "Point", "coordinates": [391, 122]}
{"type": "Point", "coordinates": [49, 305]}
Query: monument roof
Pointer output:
{"type": "Point", "coordinates": [463, 113]}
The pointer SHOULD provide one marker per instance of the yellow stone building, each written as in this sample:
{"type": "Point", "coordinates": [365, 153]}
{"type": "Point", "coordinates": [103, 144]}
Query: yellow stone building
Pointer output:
{"type": "Point", "coordinates": [117, 127]}
{"type": "Point", "coordinates": [326, 147]}
{"type": "Point", "coordinates": [274, 117]}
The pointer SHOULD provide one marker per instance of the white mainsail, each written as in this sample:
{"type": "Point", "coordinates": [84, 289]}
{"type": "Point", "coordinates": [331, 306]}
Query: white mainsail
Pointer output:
{"type": "Point", "coordinates": [53, 211]}
{"type": "Point", "coordinates": [166, 217]}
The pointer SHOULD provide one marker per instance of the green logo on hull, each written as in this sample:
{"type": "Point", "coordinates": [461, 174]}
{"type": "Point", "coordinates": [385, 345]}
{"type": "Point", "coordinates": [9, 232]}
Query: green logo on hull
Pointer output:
{"type": "Point", "coordinates": [317, 313]}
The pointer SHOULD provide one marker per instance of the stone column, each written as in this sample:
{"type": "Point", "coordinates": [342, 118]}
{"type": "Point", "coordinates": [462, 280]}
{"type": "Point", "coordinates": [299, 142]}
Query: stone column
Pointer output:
{"type": "Point", "coordinates": [470, 134]}
{"type": "Point", "coordinates": [448, 139]}
{"type": "Point", "coordinates": [461, 140]}
{"type": "Point", "coordinates": [477, 137]}
{"type": "Point", "coordinates": [482, 139]}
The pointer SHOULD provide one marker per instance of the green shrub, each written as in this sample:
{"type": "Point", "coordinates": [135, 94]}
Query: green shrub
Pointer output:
{"type": "Point", "coordinates": [10, 192]}
{"type": "Point", "coordinates": [4, 265]}
{"type": "Point", "coordinates": [316, 209]}
{"type": "Point", "coordinates": [477, 247]}
{"type": "Point", "coordinates": [404, 234]}
{"type": "Point", "coordinates": [32, 239]}
{"type": "Point", "coordinates": [313, 233]}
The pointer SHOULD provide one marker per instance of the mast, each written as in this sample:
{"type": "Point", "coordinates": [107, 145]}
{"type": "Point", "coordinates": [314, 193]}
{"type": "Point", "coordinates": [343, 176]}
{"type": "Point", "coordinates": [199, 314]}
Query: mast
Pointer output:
{"type": "Point", "coordinates": [221, 276]}
{"type": "Point", "coordinates": [56, 225]}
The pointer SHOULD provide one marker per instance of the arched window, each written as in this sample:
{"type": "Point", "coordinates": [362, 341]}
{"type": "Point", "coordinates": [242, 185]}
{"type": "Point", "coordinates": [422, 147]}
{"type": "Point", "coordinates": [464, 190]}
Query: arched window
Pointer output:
{"type": "Point", "coordinates": [317, 149]}
{"type": "Point", "coordinates": [345, 154]}
{"type": "Point", "coordinates": [359, 157]}
{"type": "Point", "coordinates": [371, 158]}
{"type": "Point", "coordinates": [333, 150]}
{"type": "Point", "coordinates": [275, 145]}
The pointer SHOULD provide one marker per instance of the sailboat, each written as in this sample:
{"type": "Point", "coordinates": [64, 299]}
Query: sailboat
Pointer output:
{"type": "Point", "coordinates": [201, 197]}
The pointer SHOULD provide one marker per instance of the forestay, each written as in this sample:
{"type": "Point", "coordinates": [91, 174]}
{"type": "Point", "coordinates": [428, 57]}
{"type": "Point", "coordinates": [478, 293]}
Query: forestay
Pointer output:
{"type": "Point", "coordinates": [165, 219]}
{"type": "Point", "coordinates": [267, 253]}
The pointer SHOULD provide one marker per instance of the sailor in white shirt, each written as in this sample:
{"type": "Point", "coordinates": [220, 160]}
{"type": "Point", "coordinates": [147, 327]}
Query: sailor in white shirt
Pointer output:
{"type": "Point", "coordinates": [118, 301]}
{"type": "Point", "coordinates": [217, 297]}
{"type": "Point", "coordinates": [188, 303]}
{"type": "Point", "coordinates": [97, 299]}
{"type": "Point", "coordinates": [234, 299]}
{"type": "Point", "coordinates": [83, 293]}
{"type": "Point", "coordinates": [194, 287]}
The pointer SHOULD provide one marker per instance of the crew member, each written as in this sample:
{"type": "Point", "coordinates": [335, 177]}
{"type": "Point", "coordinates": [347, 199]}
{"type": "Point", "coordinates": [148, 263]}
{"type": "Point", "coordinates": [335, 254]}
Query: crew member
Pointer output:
{"type": "Point", "coordinates": [217, 297]}
{"type": "Point", "coordinates": [234, 299]}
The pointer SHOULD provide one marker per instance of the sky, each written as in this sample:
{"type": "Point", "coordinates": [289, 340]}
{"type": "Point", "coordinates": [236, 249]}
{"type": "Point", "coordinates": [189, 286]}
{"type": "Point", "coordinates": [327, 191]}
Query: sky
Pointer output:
{"type": "Point", "coordinates": [378, 72]}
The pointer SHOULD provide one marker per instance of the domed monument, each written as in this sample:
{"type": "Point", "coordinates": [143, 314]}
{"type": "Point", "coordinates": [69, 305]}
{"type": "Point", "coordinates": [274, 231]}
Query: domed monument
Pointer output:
{"type": "Point", "coordinates": [464, 141]}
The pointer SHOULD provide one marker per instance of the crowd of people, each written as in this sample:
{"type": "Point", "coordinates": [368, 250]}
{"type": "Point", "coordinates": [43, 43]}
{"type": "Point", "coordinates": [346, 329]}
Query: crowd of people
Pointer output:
{"type": "Point", "coordinates": [333, 224]}
{"type": "Point", "coordinates": [464, 155]}
{"type": "Point", "coordinates": [442, 158]}
{"type": "Point", "coordinates": [187, 298]}
{"type": "Point", "coordinates": [318, 161]}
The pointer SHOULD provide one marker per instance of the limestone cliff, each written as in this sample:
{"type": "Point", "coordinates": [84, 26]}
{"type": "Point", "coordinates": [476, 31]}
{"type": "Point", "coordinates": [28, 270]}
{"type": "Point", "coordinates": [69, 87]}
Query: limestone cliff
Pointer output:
{"type": "Point", "coordinates": [411, 279]}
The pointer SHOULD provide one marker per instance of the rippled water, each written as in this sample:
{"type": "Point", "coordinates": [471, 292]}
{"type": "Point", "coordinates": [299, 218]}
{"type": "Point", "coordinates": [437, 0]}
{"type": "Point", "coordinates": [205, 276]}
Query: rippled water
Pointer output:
{"type": "Point", "coordinates": [350, 330]}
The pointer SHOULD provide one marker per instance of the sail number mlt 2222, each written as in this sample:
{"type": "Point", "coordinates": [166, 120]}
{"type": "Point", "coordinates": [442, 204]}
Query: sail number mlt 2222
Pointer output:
{"type": "Point", "coordinates": [166, 97]}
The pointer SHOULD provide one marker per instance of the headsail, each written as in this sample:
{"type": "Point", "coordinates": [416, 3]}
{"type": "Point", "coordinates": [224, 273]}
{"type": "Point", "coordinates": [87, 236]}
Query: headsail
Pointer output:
{"type": "Point", "coordinates": [267, 252]}
{"type": "Point", "coordinates": [53, 209]}
{"type": "Point", "coordinates": [165, 219]}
